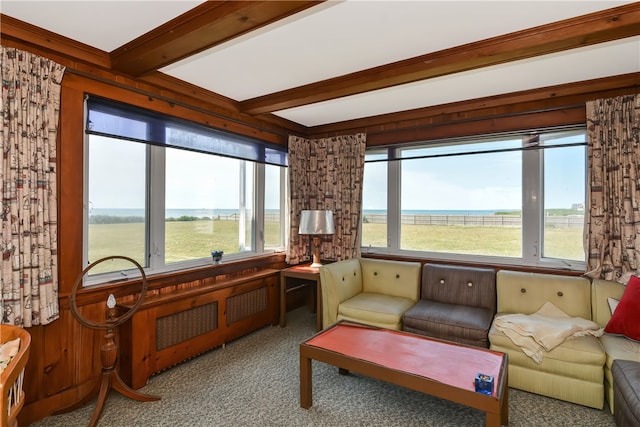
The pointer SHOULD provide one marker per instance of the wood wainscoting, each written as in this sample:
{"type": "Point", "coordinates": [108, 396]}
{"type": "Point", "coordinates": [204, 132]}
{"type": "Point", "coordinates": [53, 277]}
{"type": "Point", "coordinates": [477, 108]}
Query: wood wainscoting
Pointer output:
{"type": "Point", "coordinates": [236, 296]}
{"type": "Point", "coordinates": [172, 327]}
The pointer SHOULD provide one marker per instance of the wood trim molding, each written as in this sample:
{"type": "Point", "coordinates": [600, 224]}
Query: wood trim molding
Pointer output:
{"type": "Point", "coordinates": [99, 293]}
{"type": "Point", "coordinates": [483, 126]}
{"type": "Point", "coordinates": [611, 24]}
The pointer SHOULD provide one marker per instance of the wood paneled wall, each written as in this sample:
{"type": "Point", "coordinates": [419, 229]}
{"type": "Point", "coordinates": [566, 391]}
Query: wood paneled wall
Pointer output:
{"type": "Point", "coordinates": [65, 356]}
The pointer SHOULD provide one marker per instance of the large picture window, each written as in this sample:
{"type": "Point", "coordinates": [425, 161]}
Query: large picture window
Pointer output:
{"type": "Point", "coordinates": [513, 199]}
{"type": "Point", "coordinates": [166, 193]}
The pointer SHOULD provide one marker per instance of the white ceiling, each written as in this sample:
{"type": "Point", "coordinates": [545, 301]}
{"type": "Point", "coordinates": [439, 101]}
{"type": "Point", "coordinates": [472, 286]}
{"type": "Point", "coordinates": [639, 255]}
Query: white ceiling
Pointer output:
{"type": "Point", "coordinates": [337, 38]}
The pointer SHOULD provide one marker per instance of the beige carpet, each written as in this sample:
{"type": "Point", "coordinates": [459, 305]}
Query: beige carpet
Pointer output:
{"type": "Point", "coordinates": [254, 381]}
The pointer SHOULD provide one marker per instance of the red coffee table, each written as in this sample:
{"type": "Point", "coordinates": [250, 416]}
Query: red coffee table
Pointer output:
{"type": "Point", "coordinates": [440, 368]}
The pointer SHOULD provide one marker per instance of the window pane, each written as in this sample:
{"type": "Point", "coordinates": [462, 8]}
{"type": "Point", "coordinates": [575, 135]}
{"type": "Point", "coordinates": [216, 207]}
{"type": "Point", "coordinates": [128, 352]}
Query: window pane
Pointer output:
{"type": "Point", "coordinates": [206, 203]}
{"type": "Point", "coordinates": [374, 203]}
{"type": "Point", "coordinates": [465, 204]}
{"type": "Point", "coordinates": [117, 202]}
{"type": "Point", "coordinates": [273, 198]}
{"type": "Point", "coordinates": [564, 202]}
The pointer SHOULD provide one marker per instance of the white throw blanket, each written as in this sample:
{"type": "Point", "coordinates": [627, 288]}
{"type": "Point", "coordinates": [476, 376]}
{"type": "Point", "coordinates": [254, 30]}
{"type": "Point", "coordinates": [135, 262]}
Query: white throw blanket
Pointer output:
{"type": "Point", "coordinates": [544, 330]}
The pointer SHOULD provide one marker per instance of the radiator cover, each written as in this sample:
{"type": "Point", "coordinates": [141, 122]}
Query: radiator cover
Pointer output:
{"type": "Point", "coordinates": [184, 325]}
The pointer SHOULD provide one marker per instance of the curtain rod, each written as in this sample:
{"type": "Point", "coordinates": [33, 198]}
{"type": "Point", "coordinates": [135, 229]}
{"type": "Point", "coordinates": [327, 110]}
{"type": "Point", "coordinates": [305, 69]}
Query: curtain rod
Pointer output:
{"type": "Point", "coordinates": [502, 150]}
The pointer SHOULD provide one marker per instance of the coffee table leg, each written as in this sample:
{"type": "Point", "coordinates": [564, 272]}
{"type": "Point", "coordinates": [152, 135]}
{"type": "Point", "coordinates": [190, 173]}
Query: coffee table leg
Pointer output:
{"type": "Point", "coordinates": [306, 392]}
{"type": "Point", "coordinates": [493, 419]}
{"type": "Point", "coordinates": [505, 406]}
{"type": "Point", "coordinates": [501, 418]}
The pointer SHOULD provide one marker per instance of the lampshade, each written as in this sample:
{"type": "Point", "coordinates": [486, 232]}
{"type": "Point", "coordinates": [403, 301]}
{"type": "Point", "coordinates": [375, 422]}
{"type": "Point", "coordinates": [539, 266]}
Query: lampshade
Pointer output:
{"type": "Point", "coordinates": [316, 222]}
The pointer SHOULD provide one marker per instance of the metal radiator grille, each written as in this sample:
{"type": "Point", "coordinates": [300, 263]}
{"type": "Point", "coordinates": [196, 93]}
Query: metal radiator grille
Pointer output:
{"type": "Point", "coordinates": [246, 304]}
{"type": "Point", "coordinates": [182, 326]}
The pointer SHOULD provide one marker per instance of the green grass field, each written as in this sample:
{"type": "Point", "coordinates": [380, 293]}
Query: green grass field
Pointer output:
{"type": "Point", "coordinates": [186, 240]}
{"type": "Point", "coordinates": [564, 243]}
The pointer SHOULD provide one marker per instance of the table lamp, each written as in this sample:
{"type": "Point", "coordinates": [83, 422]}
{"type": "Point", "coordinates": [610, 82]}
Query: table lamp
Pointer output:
{"type": "Point", "coordinates": [316, 223]}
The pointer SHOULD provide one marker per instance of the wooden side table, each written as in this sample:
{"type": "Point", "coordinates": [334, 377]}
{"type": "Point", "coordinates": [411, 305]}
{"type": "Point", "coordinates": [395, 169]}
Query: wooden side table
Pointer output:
{"type": "Point", "coordinates": [310, 275]}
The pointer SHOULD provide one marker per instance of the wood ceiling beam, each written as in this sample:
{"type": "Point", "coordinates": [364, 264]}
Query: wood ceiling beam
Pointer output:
{"type": "Point", "coordinates": [200, 28]}
{"type": "Point", "coordinates": [611, 24]}
{"type": "Point", "coordinates": [546, 98]}
{"type": "Point", "coordinates": [12, 29]}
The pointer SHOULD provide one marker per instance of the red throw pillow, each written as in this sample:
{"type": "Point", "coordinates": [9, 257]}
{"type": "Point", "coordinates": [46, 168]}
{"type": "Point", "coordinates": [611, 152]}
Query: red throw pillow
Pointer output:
{"type": "Point", "coordinates": [626, 318]}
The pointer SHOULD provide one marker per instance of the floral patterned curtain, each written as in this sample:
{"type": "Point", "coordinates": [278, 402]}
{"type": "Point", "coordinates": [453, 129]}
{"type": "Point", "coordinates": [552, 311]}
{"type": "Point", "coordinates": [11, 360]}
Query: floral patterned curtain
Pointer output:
{"type": "Point", "coordinates": [326, 174]}
{"type": "Point", "coordinates": [613, 217]}
{"type": "Point", "coordinates": [30, 110]}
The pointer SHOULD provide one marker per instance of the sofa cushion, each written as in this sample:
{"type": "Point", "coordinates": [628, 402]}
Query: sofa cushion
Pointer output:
{"type": "Point", "coordinates": [540, 332]}
{"type": "Point", "coordinates": [625, 320]}
{"type": "Point", "coordinates": [618, 347]}
{"type": "Point", "coordinates": [459, 285]}
{"type": "Point", "coordinates": [525, 293]}
{"type": "Point", "coordinates": [582, 350]}
{"type": "Point", "coordinates": [557, 368]}
{"type": "Point", "coordinates": [375, 309]}
{"type": "Point", "coordinates": [626, 389]}
{"type": "Point", "coordinates": [452, 322]}
{"type": "Point", "coordinates": [396, 278]}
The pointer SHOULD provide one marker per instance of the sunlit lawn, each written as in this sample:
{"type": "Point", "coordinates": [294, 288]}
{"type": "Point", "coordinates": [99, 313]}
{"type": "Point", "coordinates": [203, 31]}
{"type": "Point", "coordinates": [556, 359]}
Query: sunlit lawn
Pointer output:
{"type": "Point", "coordinates": [186, 240]}
{"type": "Point", "coordinates": [563, 243]}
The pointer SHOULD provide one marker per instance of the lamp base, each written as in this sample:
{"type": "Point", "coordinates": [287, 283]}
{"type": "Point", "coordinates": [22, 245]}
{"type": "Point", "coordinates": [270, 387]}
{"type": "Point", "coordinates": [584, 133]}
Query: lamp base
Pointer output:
{"type": "Point", "coordinates": [316, 253]}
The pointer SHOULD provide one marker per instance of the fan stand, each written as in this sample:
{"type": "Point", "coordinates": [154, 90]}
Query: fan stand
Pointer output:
{"type": "Point", "coordinates": [110, 379]}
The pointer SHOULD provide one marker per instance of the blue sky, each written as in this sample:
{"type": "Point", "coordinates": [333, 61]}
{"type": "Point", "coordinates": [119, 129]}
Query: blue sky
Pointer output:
{"type": "Point", "coordinates": [470, 182]}
{"type": "Point", "coordinates": [193, 181]}
{"type": "Point", "coordinates": [478, 182]}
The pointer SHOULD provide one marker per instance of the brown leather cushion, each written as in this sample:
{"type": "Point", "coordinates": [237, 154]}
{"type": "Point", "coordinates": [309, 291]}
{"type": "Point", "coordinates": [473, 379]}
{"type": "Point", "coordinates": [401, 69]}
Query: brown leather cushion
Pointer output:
{"type": "Point", "coordinates": [626, 386]}
{"type": "Point", "coordinates": [453, 322]}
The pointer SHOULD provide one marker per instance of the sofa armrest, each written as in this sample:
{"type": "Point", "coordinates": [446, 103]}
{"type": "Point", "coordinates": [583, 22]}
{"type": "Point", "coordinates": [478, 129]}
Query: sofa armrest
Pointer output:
{"type": "Point", "coordinates": [395, 278]}
{"type": "Point", "coordinates": [340, 281]}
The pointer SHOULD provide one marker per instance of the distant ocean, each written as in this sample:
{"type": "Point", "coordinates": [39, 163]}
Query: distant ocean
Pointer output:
{"type": "Point", "coordinates": [169, 213]}
{"type": "Point", "coordinates": [212, 213]}
{"type": "Point", "coordinates": [442, 212]}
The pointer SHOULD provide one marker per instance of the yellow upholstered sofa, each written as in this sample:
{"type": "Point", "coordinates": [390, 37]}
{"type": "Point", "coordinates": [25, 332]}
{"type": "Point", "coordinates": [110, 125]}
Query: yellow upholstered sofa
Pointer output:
{"type": "Point", "coordinates": [370, 291]}
{"type": "Point", "coordinates": [572, 371]}
{"type": "Point", "coordinates": [579, 370]}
